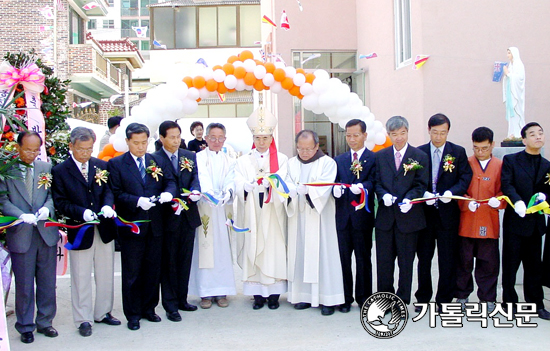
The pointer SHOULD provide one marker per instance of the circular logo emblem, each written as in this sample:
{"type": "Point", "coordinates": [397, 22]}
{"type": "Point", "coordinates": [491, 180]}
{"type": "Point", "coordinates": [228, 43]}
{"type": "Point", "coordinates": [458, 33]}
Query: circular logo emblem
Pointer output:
{"type": "Point", "coordinates": [384, 315]}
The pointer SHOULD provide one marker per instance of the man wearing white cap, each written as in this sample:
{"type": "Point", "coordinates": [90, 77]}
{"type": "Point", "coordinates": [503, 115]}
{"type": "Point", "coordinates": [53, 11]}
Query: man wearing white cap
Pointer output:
{"type": "Point", "coordinates": [261, 209]}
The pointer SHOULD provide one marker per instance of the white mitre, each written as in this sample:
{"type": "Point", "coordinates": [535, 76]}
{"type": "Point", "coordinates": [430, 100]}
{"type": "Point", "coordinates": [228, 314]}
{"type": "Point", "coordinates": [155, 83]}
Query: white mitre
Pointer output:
{"type": "Point", "coordinates": [262, 122]}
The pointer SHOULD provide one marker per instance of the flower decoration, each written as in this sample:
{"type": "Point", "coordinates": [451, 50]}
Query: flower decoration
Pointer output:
{"type": "Point", "coordinates": [356, 168]}
{"type": "Point", "coordinates": [101, 176]}
{"type": "Point", "coordinates": [45, 179]}
{"type": "Point", "coordinates": [411, 165]}
{"type": "Point", "coordinates": [154, 170]}
{"type": "Point", "coordinates": [448, 163]}
{"type": "Point", "coordinates": [186, 163]}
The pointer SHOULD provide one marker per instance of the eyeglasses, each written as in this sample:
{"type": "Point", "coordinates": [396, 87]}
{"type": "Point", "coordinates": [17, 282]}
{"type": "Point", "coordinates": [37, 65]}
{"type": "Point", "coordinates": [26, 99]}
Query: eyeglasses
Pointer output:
{"type": "Point", "coordinates": [30, 152]}
{"type": "Point", "coordinates": [89, 150]}
{"type": "Point", "coordinates": [481, 149]}
{"type": "Point", "coordinates": [356, 135]}
{"type": "Point", "coordinates": [306, 151]}
{"type": "Point", "coordinates": [213, 139]}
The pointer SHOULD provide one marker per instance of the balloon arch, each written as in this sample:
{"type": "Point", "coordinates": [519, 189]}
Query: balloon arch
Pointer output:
{"type": "Point", "coordinates": [319, 93]}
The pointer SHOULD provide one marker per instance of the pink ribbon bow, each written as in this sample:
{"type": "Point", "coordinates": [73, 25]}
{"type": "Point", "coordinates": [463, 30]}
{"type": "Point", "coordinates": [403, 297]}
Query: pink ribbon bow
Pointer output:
{"type": "Point", "coordinates": [31, 77]}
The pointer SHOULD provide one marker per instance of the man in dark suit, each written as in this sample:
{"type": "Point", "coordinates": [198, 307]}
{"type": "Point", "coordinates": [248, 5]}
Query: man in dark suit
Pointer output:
{"type": "Point", "coordinates": [80, 192]}
{"type": "Point", "coordinates": [449, 173]}
{"type": "Point", "coordinates": [137, 179]}
{"type": "Point", "coordinates": [179, 232]}
{"type": "Point", "coordinates": [400, 176]}
{"type": "Point", "coordinates": [524, 177]}
{"type": "Point", "coordinates": [354, 228]}
{"type": "Point", "coordinates": [32, 246]}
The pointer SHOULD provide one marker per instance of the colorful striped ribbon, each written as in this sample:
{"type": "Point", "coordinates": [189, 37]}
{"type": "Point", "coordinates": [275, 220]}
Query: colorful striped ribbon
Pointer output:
{"type": "Point", "coordinates": [274, 181]}
{"type": "Point", "coordinates": [363, 199]}
{"type": "Point", "coordinates": [231, 224]}
{"type": "Point", "coordinates": [79, 235]}
{"type": "Point", "coordinates": [9, 221]}
{"type": "Point", "coordinates": [206, 196]}
{"type": "Point", "coordinates": [182, 203]}
{"type": "Point", "coordinates": [134, 225]}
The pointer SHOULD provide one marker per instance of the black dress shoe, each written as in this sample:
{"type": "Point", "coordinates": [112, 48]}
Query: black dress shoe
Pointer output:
{"type": "Point", "coordinates": [187, 307]}
{"type": "Point", "coordinates": [259, 302]}
{"type": "Point", "coordinates": [50, 331]}
{"type": "Point", "coordinates": [152, 317]}
{"type": "Point", "coordinates": [133, 325]}
{"type": "Point", "coordinates": [544, 314]}
{"type": "Point", "coordinates": [173, 316]}
{"type": "Point", "coordinates": [302, 305]}
{"type": "Point", "coordinates": [27, 337]}
{"type": "Point", "coordinates": [109, 320]}
{"type": "Point", "coordinates": [327, 310]}
{"type": "Point", "coordinates": [273, 302]}
{"type": "Point", "coordinates": [344, 308]}
{"type": "Point", "coordinates": [85, 329]}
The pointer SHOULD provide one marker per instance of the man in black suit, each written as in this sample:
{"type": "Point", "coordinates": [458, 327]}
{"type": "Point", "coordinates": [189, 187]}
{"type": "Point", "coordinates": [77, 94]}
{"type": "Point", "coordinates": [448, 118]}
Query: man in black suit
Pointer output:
{"type": "Point", "coordinates": [354, 228]}
{"type": "Point", "coordinates": [524, 177]}
{"type": "Point", "coordinates": [400, 176]}
{"type": "Point", "coordinates": [137, 179]}
{"type": "Point", "coordinates": [449, 173]}
{"type": "Point", "coordinates": [179, 232]}
{"type": "Point", "coordinates": [80, 192]}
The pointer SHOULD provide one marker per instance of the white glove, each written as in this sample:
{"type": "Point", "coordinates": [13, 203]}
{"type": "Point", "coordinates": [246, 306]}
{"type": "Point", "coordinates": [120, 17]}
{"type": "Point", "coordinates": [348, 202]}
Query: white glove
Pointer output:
{"type": "Point", "coordinates": [337, 191]}
{"type": "Point", "coordinates": [194, 196]}
{"type": "Point", "coordinates": [541, 197]}
{"type": "Point", "coordinates": [29, 218]}
{"type": "Point", "coordinates": [145, 203]}
{"type": "Point", "coordinates": [43, 214]}
{"type": "Point", "coordinates": [165, 197]}
{"type": "Point", "coordinates": [301, 189]}
{"type": "Point", "coordinates": [88, 215]}
{"type": "Point", "coordinates": [108, 212]}
{"type": "Point", "coordinates": [356, 188]}
{"type": "Point", "coordinates": [177, 208]}
{"type": "Point", "coordinates": [520, 208]}
{"type": "Point", "coordinates": [225, 199]}
{"type": "Point", "coordinates": [445, 198]}
{"type": "Point", "coordinates": [388, 200]}
{"type": "Point", "coordinates": [265, 182]}
{"type": "Point", "coordinates": [428, 194]}
{"type": "Point", "coordinates": [249, 187]}
{"type": "Point", "coordinates": [493, 202]}
{"type": "Point", "coordinates": [473, 205]}
{"type": "Point", "coordinates": [406, 206]}
{"type": "Point", "coordinates": [292, 193]}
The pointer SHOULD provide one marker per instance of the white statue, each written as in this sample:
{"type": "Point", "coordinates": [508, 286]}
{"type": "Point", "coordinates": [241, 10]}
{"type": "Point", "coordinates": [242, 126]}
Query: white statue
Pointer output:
{"type": "Point", "coordinates": [513, 91]}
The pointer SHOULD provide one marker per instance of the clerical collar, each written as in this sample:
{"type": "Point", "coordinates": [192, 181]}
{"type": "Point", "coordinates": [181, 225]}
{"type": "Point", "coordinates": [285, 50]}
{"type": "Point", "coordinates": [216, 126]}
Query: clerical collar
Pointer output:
{"type": "Point", "coordinates": [261, 155]}
{"type": "Point", "coordinates": [315, 157]}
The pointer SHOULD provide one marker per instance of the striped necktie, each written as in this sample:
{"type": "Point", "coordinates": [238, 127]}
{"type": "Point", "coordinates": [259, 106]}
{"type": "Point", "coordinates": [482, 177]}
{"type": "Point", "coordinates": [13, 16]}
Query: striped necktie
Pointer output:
{"type": "Point", "coordinates": [29, 184]}
{"type": "Point", "coordinates": [141, 168]}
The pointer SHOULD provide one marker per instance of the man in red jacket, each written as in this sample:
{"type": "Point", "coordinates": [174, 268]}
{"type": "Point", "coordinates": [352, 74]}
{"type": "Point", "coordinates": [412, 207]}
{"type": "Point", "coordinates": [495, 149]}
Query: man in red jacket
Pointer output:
{"type": "Point", "coordinates": [479, 224]}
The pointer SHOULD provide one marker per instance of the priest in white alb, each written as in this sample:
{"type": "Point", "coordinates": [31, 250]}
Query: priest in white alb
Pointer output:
{"type": "Point", "coordinates": [212, 275]}
{"type": "Point", "coordinates": [260, 207]}
{"type": "Point", "coordinates": [314, 270]}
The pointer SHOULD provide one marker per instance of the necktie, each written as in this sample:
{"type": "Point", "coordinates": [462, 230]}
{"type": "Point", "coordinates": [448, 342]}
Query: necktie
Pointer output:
{"type": "Point", "coordinates": [29, 181]}
{"type": "Point", "coordinates": [84, 171]}
{"type": "Point", "coordinates": [397, 160]}
{"type": "Point", "coordinates": [141, 168]}
{"type": "Point", "coordinates": [435, 168]}
{"type": "Point", "coordinates": [355, 156]}
{"type": "Point", "coordinates": [174, 160]}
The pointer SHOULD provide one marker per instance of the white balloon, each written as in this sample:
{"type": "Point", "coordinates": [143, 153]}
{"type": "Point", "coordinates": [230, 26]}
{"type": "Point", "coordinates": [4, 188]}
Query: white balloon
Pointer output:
{"type": "Point", "coordinates": [371, 135]}
{"type": "Point", "coordinates": [380, 138]}
{"type": "Point", "coordinates": [299, 79]}
{"type": "Point", "coordinates": [259, 72]}
{"type": "Point", "coordinates": [240, 85]}
{"type": "Point", "coordinates": [207, 73]}
{"type": "Point", "coordinates": [178, 89]}
{"type": "Point", "coordinates": [248, 87]}
{"type": "Point", "coordinates": [112, 138]}
{"type": "Point", "coordinates": [238, 64]}
{"type": "Point", "coordinates": [326, 100]}
{"type": "Point", "coordinates": [342, 123]}
{"type": "Point", "coordinates": [370, 126]}
{"type": "Point", "coordinates": [280, 65]}
{"type": "Point", "coordinates": [355, 111]}
{"type": "Point", "coordinates": [120, 133]}
{"type": "Point", "coordinates": [342, 98]}
{"type": "Point", "coordinates": [249, 65]}
{"type": "Point", "coordinates": [344, 112]}
{"type": "Point", "coordinates": [290, 71]}
{"type": "Point", "coordinates": [321, 73]}
{"type": "Point", "coordinates": [370, 118]}
{"type": "Point", "coordinates": [330, 112]}
{"type": "Point", "coordinates": [204, 93]}
{"type": "Point", "coordinates": [230, 82]}
{"type": "Point", "coordinates": [365, 111]}
{"type": "Point", "coordinates": [190, 106]}
{"type": "Point", "coordinates": [309, 102]}
{"type": "Point", "coordinates": [174, 110]}
{"type": "Point", "coordinates": [320, 85]}
{"type": "Point", "coordinates": [120, 145]}
{"type": "Point", "coordinates": [378, 126]}
{"type": "Point", "coordinates": [306, 89]}
{"type": "Point", "coordinates": [125, 122]}
{"type": "Point", "coordinates": [276, 87]}
{"type": "Point", "coordinates": [219, 75]}
{"type": "Point", "coordinates": [345, 88]}
{"type": "Point", "coordinates": [268, 80]}
{"type": "Point", "coordinates": [154, 92]}
{"type": "Point", "coordinates": [369, 145]}
{"type": "Point", "coordinates": [192, 94]}
{"type": "Point", "coordinates": [318, 110]}
{"type": "Point", "coordinates": [334, 83]}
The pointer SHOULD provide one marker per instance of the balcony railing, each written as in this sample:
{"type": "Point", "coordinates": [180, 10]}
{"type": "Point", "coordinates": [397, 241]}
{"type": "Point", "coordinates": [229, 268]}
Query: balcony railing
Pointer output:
{"type": "Point", "coordinates": [91, 60]}
{"type": "Point", "coordinates": [130, 12]}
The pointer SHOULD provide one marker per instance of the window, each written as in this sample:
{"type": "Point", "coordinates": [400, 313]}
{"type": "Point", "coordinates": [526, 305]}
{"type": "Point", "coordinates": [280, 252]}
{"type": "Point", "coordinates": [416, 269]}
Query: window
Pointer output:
{"type": "Point", "coordinates": [249, 25]}
{"type": "Point", "coordinates": [76, 28]}
{"type": "Point", "coordinates": [403, 45]}
{"type": "Point", "coordinates": [144, 45]}
{"type": "Point", "coordinates": [111, 3]}
{"type": "Point", "coordinates": [126, 28]}
{"type": "Point", "coordinates": [129, 8]}
{"type": "Point", "coordinates": [92, 24]}
{"type": "Point", "coordinates": [186, 27]}
{"type": "Point", "coordinates": [109, 24]}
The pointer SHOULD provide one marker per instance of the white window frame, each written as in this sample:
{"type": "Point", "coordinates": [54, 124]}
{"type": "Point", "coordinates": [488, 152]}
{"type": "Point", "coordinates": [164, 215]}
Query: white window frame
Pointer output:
{"type": "Point", "coordinates": [403, 33]}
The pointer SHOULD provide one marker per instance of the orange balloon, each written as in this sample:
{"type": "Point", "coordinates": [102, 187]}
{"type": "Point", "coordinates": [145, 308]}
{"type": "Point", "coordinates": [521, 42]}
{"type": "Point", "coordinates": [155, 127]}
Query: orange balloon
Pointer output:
{"type": "Point", "coordinates": [377, 148]}
{"type": "Point", "coordinates": [310, 77]}
{"type": "Point", "coordinates": [231, 90]}
{"type": "Point", "coordinates": [100, 155]}
{"type": "Point", "coordinates": [228, 68]}
{"type": "Point", "coordinates": [300, 70]}
{"type": "Point", "coordinates": [269, 67]}
{"type": "Point", "coordinates": [287, 83]}
{"type": "Point", "coordinates": [259, 85]}
{"type": "Point", "coordinates": [107, 158]}
{"type": "Point", "coordinates": [232, 59]}
{"type": "Point", "coordinates": [109, 150]}
{"type": "Point", "coordinates": [216, 67]}
{"type": "Point", "coordinates": [245, 55]}
{"type": "Point", "coordinates": [294, 91]}
{"type": "Point", "coordinates": [279, 74]}
{"type": "Point", "coordinates": [199, 82]}
{"type": "Point", "coordinates": [211, 85]}
{"type": "Point", "coordinates": [249, 78]}
{"type": "Point", "coordinates": [189, 81]}
{"type": "Point", "coordinates": [222, 89]}
{"type": "Point", "coordinates": [199, 100]}
{"type": "Point", "coordinates": [258, 62]}
{"type": "Point", "coordinates": [119, 154]}
{"type": "Point", "coordinates": [239, 72]}
{"type": "Point", "coordinates": [300, 96]}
